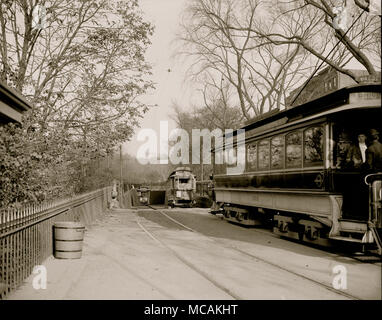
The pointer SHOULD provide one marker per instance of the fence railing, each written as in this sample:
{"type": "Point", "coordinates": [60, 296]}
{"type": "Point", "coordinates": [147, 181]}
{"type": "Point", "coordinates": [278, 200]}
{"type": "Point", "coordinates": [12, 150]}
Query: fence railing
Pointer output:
{"type": "Point", "coordinates": [26, 234]}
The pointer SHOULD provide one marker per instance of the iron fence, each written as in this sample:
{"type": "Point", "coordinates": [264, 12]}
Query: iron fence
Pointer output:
{"type": "Point", "coordinates": [26, 234]}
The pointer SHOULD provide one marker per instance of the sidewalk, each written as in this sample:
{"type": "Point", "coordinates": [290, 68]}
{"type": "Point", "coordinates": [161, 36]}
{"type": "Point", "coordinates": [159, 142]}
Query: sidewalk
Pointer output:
{"type": "Point", "coordinates": [119, 261]}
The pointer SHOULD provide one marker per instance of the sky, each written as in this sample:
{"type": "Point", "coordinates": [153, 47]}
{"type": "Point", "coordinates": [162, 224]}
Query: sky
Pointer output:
{"type": "Point", "coordinates": [165, 15]}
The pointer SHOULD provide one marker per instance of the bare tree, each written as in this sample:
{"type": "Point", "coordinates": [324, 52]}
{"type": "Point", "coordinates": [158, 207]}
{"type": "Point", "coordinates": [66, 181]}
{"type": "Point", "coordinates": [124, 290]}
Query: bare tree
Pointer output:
{"type": "Point", "coordinates": [317, 34]}
{"type": "Point", "coordinates": [264, 49]}
{"type": "Point", "coordinates": [219, 109]}
{"type": "Point", "coordinates": [225, 41]}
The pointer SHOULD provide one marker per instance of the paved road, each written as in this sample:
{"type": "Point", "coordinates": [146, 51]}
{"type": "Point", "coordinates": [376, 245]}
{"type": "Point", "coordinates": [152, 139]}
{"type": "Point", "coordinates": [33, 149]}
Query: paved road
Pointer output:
{"type": "Point", "coordinates": [141, 254]}
{"type": "Point", "coordinates": [363, 279]}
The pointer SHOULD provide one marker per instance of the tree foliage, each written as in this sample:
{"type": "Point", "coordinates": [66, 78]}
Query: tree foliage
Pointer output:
{"type": "Point", "coordinates": [83, 69]}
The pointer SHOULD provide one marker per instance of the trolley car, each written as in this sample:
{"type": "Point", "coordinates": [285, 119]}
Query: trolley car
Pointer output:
{"type": "Point", "coordinates": [297, 175]}
{"type": "Point", "coordinates": [143, 193]}
{"type": "Point", "coordinates": [181, 187]}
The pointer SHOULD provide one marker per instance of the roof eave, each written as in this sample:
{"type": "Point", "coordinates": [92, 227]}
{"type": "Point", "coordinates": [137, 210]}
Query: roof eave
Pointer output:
{"type": "Point", "coordinates": [19, 101]}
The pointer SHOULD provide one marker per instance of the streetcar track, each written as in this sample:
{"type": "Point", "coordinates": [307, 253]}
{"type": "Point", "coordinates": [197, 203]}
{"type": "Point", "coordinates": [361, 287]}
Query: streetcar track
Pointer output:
{"type": "Point", "coordinates": [321, 284]}
{"type": "Point", "coordinates": [370, 259]}
{"type": "Point", "coordinates": [329, 250]}
{"type": "Point", "coordinates": [189, 264]}
{"type": "Point", "coordinates": [364, 259]}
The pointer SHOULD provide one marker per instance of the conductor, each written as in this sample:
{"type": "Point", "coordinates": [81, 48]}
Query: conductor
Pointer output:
{"type": "Point", "coordinates": [374, 152]}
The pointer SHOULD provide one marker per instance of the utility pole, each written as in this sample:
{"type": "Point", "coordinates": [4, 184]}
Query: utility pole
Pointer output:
{"type": "Point", "coordinates": [201, 162]}
{"type": "Point", "coordinates": [202, 174]}
{"type": "Point", "coordinates": [120, 174]}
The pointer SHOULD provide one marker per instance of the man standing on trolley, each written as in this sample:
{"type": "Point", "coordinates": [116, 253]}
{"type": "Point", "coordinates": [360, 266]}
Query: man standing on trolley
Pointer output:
{"type": "Point", "coordinates": [374, 152]}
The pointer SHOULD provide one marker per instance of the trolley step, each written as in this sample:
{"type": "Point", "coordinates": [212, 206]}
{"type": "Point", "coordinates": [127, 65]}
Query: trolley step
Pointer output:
{"type": "Point", "coordinates": [348, 225]}
{"type": "Point", "coordinates": [346, 239]}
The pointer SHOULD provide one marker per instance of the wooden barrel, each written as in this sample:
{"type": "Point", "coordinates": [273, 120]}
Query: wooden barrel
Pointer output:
{"type": "Point", "coordinates": [68, 239]}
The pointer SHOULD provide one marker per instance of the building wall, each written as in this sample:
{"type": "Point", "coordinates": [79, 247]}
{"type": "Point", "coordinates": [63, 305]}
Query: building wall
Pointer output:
{"type": "Point", "coordinates": [325, 82]}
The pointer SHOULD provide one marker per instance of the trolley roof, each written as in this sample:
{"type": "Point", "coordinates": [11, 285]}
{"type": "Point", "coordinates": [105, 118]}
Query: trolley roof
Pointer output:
{"type": "Point", "coordinates": [326, 102]}
{"type": "Point", "coordinates": [316, 107]}
{"type": "Point", "coordinates": [181, 171]}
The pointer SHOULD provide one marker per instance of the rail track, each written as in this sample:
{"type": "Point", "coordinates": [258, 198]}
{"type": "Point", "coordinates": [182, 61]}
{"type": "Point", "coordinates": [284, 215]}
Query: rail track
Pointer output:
{"type": "Point", "coordinates": [187, 263]}
{"type": "Point", "coordinates": [243, 252]}
{"type": "Point", "coordinates": [360, 257]}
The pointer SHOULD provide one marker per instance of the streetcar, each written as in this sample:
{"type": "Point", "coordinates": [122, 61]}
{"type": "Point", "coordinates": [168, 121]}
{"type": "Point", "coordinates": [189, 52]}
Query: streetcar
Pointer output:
{"type": "Point", "coordinates": [181, 185]}
{"type": "Point", "coordinates": [143, 193]}
{"type": "Point", "coordinates": [297, 177]}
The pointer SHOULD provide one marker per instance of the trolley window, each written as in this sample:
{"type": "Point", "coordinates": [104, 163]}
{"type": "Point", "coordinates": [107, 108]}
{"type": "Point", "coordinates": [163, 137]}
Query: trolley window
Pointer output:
{"type": "Point", "coordinates": [252, 157]}
{"type": "Point", "coordinates": [313, 147]}
{"type": "Point", "coordinates": [294, 149]}
{"type": "Point", "coordinates": [277, 152]}
{"type": "Point", "coordinates": [264, 154]}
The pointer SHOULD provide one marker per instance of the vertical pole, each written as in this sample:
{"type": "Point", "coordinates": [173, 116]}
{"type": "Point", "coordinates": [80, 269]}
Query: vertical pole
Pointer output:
{"type": "Point", "coordinates": [120, 175]}
{"type": "Point", "coordinates": [201, 161]}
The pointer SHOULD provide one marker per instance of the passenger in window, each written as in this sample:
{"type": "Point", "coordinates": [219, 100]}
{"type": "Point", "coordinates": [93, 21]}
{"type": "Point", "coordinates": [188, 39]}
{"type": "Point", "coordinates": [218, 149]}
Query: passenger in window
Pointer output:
{"type": "Point", "coordinates": [343, 146]}
{"type": "Point", "coordinates": [356, 155]}
{"type": "Point", "coordinates": [374, 152]}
